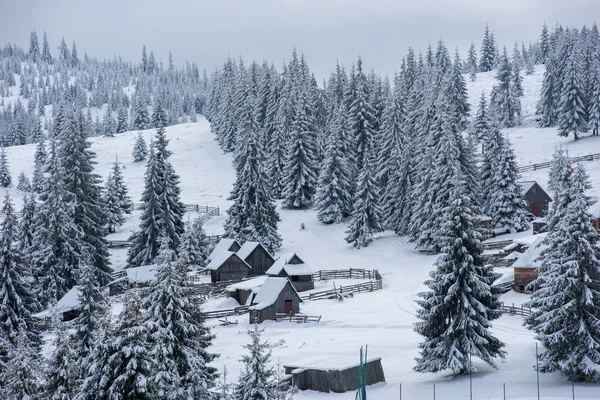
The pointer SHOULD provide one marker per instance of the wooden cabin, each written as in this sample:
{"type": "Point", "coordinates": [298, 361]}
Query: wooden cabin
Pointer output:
{"type": "Point", "coordinates": [224, 245]}
{"type": "Point", "coordinates": [256, 256]}
{"type": "Point", "coordinates": [275, 296]}
{"type": "Point", "coordinates": [228, 266]}
{"type": "Point", "coordinates": [537, 199]}
{"type": "Point", "coordinates": [138, 277]}
{"type": "Point", "coordinates": [526, 267]}
{"type": "Point", "coordinates": [67, 308]}
{"type": "Point", "coordinates": [291, 266]}
{"type": "Point", "coordinates": [482, 222]}
{"type": "Point", "coordinates": [243, 292]}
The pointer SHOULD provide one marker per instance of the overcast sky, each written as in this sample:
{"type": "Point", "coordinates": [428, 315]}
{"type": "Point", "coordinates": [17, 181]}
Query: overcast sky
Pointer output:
{"type": "Point", "coordinates": [325, 30]}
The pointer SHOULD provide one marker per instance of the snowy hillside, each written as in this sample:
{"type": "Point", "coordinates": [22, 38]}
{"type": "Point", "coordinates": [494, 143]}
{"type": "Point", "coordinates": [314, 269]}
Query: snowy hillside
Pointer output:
{"type": "Point", "coordinates": [384, 319]}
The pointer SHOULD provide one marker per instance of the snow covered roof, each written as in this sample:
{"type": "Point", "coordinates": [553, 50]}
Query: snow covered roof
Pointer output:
{"type": "Point", "coordinates": [526, 186]}
{"type": "Point", "coordinates": [248, 248]}
{"type": "Point", "coordinates": [70, 301]}
{"type": "Point", "coordinates": [530, 258]}
{"type": "Point", "coordinates": [223, 245]}
{"type": "Point", "coordinates": [220, 258]}
{"type": "Point", "coordinates": [268, 293]}
{"type": "Point", "coordinates": [290, 269]}
{"type": "Point", "coordinates": [144, 274]}
{"type": "Point", "coordinates": [529, 240]}
{"type": "Point", "coordinates": [248, 284]}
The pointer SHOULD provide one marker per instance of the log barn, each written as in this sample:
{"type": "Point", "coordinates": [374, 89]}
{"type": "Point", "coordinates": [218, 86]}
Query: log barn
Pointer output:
{"type": "Point", "coordinates": [537, 199]}
{"type": "Point", "coordinates": [526, 267]}
{"type": "Point", "coordinates": [275, 296]}
{"type": "Point", "coordinates": [290, 266]}
{"type": "Point", "coordinates": [256, 256]}
{"type": "Point", "coordinates": [228, 266]}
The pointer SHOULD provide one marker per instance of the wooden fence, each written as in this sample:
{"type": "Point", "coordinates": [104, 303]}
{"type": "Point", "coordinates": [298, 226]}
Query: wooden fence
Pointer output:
{"type": "Point", "coordinates": [299, 318]}
{"type": "Point", "coordinates": [496, 245]}
{"type": "Point", "coordinates": [188, 207]}
{"type": "Point", "coordinates": [328, 294]}
{"type": "Point", "coordinates": [352, 273]}
{"type": "Point", "coordinates": [547, 164]}
{"type": "Point", "coordinates": [226, 313]}
{"type": "Point", "coordinates": [516, 310]}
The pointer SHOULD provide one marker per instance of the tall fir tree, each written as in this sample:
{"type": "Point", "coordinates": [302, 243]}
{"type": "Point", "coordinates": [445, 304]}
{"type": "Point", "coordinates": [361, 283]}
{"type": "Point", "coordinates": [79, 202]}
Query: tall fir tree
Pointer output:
{"type": "Point", "coordinates": [456, 313]}
{"type": "Point", "coordinates": [5, 178]}
{"type": "Point", "coordinates": [505, 99]}
{"type": "Point", "coordinates": [195, 245]}
{"type": "Point", "coordinates": [140, 150]}
{"type": "Point", "coordinates": [567, 304]}
{"type": "Point", "coordinates": [547, 107]}
{"type": "Point", "coordinates": [116, 200]}
{"type": "Point", "coordinates": [472, 67]}
{"type": "Point", "coordinates": [487, 59]}
{"type": "Point", "coordinates": [20, 379]}
{"type": "Point", "coordinates": [60, 371]}
{"type": "Point", "coordinates": [481, 124]}
{"type": "Point", "coordinates": [571, 116]}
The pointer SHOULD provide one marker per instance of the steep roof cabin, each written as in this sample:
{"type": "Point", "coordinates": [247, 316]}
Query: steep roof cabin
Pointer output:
{"type": "Point", "coordinates": [526, 267]}
{"type": "Point", "coordinates": [290, 266]}
{"type": "Point", "coordinates": [537, 199]}
{"type": "Point", "coordinates": [275, 296]}
{"type": "Point", "coordinates": [67, 307]}
{"type": "Point", "coordinates": [228, 266]}
{"type": "Point", "coordinates": [224, 245]}
{"type": "Point", "coordinates": [257, 256]}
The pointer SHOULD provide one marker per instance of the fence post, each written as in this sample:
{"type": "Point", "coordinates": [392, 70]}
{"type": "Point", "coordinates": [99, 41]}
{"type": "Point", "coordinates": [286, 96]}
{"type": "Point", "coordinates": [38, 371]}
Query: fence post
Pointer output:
{"type": "Point", "coordinates": [504, 391]}
{"type": "Point", "coordinates": [434, 391]}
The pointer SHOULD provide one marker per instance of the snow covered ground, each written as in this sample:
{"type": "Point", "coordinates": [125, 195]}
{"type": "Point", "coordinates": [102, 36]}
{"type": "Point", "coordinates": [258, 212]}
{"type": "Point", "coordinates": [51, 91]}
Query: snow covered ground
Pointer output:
{"type": "Point", "coordinates": [382, 319]}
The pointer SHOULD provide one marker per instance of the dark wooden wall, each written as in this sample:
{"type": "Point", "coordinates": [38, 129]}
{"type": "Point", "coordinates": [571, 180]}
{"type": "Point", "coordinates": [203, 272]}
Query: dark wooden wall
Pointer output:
{"type": "Point", "coordinates": [287, 293]}
{"type": "Point", "coordinates": [260, 261]}
{"type": "Point", "coordinates": [537, 195]}
{"type": "Point", "coordinates": [233, 269]}
{"type": "Point", "coordinates": [523, 277]}
{"type": "Point", "coordinates": [335, 380]}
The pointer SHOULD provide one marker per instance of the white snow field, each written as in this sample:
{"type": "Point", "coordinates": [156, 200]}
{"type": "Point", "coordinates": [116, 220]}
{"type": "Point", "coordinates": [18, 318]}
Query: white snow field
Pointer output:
{"type": "Point", "coordinates": [382, 319]}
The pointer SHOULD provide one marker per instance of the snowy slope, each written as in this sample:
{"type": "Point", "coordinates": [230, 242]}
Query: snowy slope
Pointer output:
{"type": "Point", "coordinates": [381, 319]}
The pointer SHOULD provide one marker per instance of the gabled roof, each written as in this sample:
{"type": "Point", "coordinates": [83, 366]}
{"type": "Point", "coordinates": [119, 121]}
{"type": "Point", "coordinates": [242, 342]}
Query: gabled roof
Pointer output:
{"type": "Point", "coordinates": [530, 258]}
{"type": "Point", "coordinates": [223, 245]}
{"type": "Point", "coordinates": [144, 274]}
{"type": "Point", "coordinates": [69, 302]}
{"type": "Point", "coordinates": [290, 269]}
{"type": "Point", "coordinates": [220, 259]}
{"type": "Point", "coordinates": [248, 248]}
{"type": "Point", "coordinates": [526, 186]}
{"type": "Point", "coordinates": [269, 292]}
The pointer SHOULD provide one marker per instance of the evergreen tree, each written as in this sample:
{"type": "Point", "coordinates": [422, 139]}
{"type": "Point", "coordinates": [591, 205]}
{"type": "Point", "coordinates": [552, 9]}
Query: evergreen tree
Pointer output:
{"type": "Point", "coordinates": [257, 381]}
{"type": "Point", "coordinates": [117, 202]}
{"type": "Point", "coordinates": [547, 106]}
{"type": "Point", "coordinates": [366, 214]}
{"type": "Point", "coordinates": [362, 116]}
{"type": "Point", "coordinates": [558, 170]}
{"type": "Point", "coordinates": [571, 116]}
{"type": "Point", "coordinates": [504, 99]}
{"type": "Point", "coordinates": [122, 118]}
{"type": "Point", "coordinates": [472, 66]}
{"type": "Point", "coordinates": [5, 179]}
{"type": "Point", "coordinates": [60, 372]}
{"type": "Point", "coordinates": [40, 158]}
{"type": "Point", "coordinates": [46, 56]}
{"type": "Point", "coordinates": [141, 119]}
{"type": "Point", "coordinates": [481, 125]}
{"type": "Point", "coordinates": [567, 304]}
{"type": "Point", "coordinates": [333, 199]}
{"type": "Point", "coordinates": [23, 183]}
{"type": "Point", "coordinates": [179, 337]}
{"type": "Point", "coordinates": [140, 150]}
{"type": "Point", "coordinates": [26, 224]}
{"type": "Point", "coordinates": [34, 47]}
{"type": "Point", "coordinates": [195, 245]}
{"type": "Point", "coordinates": [455, 314]}
{"type": "Point", "coordinates": [593, 106]}
{"type": "Point", "coordinates": [456, 95]}
{"type": "Point", "coordinates": [63, 51]}
{"type": "Point", "coordinates": [20, 379]}
{"type": "Point", "coordinates": [488, 52]}
{"type": "Point", "coordinates": [544, 47]}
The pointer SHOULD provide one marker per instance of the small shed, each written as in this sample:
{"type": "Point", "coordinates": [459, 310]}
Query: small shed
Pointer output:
{"type": "Point", "coordinates": [540, 225]}
{"type": "Point", "coordinates": [228, 266]}
{"type": "Point", "coordinates": [526, 267]}
{"type": "Point", "coordinates": [257, 256]}
{"type": "Point", "coordinates": [537, 199]}
{"type": "Point", "coordinates": [276, 296]}
{"type": "Point", "coordinates": [224, 245]}
{"type": "Point", "coordinates": [482, 222]}
{"type": "Point", "coordinates": [67, 307]}
{"type": "Point", "coordinates": [244, 291]}
{"type": "Point", "coordinates": [290, 266]}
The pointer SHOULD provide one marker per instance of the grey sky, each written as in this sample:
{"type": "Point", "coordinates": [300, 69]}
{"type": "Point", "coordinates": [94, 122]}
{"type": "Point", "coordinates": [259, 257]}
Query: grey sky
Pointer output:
{"type": "Point", "coordinates": [325, 30]}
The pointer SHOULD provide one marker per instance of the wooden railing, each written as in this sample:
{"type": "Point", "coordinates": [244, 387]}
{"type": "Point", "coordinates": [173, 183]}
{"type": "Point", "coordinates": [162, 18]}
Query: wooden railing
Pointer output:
{"type": "Point", "coordinates": [226, 313]}
{"type": "Point", "coordinates": [118, 244]}
{"type": "Point", "coordinates": [188, 207]}
{"type": "Point", "coordinates": [352, 273]}
{"type": "Point", "coordinates": [299, 318]}
{"type": "Point", "coordinates": [333, 293]}
{"type": "Point", "coordinates": [547, 164]}
{"type": "Point", "coordinates": [516, 310]}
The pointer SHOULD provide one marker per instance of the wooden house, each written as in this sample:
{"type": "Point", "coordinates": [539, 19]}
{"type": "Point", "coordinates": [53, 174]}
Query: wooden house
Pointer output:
{"type": "Point", "coordinates": [224, 245]}
{"type": "Point", "coordinates": [228, 266]}
{"type": "Point", "coordinates": [537, 199]}
{"type": "Point", "coordinates": [67, 308]}
{"type": "Point", "coordinates": [291, 266]}
{"type": "Point", "coordinates": [527, 265]}
{"type": "Point", "coordinates": [257, 256]}
{"type": "Point", "coordinates": [275, 296]}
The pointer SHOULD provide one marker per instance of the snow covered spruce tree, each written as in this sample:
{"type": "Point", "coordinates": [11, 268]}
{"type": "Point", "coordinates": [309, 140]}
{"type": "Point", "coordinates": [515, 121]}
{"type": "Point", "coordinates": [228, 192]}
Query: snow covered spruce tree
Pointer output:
{"type": "Point", "coordinates": [195, 246]}
{"type": "Point", "coordinates": [558, 171]}
{"type": "Point", "coordinates": [97, 373]}
{"type": "Point", "coordinates": [547, 105]}
{"type": "Point", "coordinates": [60, 371]}
{"type": "Point", "coordinates": [334, 199]}
{"type": "Point", "coordinates": [140, 150]}
{"type": "Point", "coordinates": [567, 303]}
{"type": "Point", "coordinates": [117, 202]}
{"type": "Point", "coordinates": [488, 51]}
{"type": "Point", "coordinates": [571, 116]}
{"type": "Point", "coordinates": [455, 314]}
{"type": "Point", "coordinates": [252, 216]}
{"type": "Point", "coordinates": [80, 180]}
{"type": "Point", "coordinates": [26, 225]}
{"type": "Point", "coordinates": [5, 179]}
{"type": "Point", "coordinates": [17, 300]}
{"type": "Point", "coordinates": [23, 183]}
{"type": "Point", "coordinates": [300, 169]}
{"type": "Point", "coordinates": [366, 213]}
{"type": "Point", "coordinates": [481, 125]}
{"type": "Point", "coordinates": [40, 158]}
{"type": "Point", "coordinates": [506, 206]}
{"type": "Point", "coordinates": [505, 98]}
{"type": "Point", "coordinates": [178, 337]}
{"type": "Point", "coordinates": [20, 379]}
{"type": "Point", "coordinates": [472, 67]}
{"type": "Point", "coordinates": [257, 381]}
